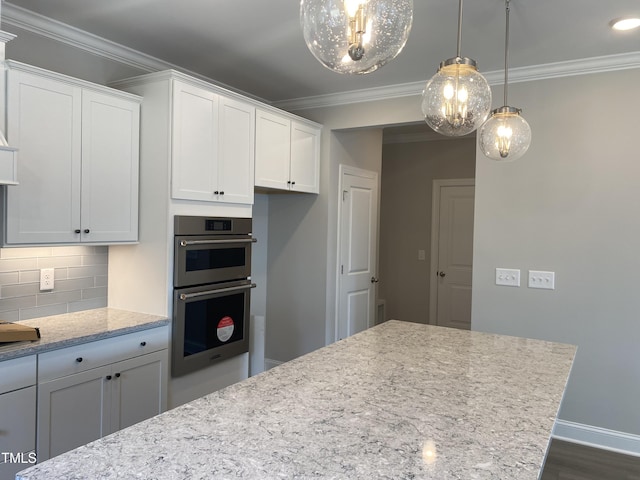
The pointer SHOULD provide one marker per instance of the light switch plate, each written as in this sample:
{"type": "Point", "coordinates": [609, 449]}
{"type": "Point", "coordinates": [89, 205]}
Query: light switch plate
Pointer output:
{"type": "Point", "coordinates": [542, 279]}
{"type": "Point", "coordinates": [509, 277]}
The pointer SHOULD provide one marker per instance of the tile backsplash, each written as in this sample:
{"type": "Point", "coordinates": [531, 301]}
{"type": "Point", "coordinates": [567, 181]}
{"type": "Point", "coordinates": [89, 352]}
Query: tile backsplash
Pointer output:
{"type": "Point", "coordinates": [80, 281]}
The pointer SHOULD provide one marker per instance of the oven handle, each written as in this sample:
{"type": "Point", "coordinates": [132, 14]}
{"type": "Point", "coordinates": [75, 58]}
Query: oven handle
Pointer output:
{"type": "Point", "coordinates": [187, 296]}
{"type": "Point", "coordinates": [186, 243]}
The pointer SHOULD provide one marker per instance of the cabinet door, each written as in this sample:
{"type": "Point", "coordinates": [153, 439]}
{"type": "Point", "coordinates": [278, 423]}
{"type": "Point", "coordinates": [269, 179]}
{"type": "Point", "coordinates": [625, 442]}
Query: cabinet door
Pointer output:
{"type": "Point", "coordinates": [139, 390]}
{"type": "Point", "coordinates": [273, 150]}
{"type": "Point", "coordinates": [236, 153]}
{"type": "Point", "coordinates": [44, 122]}
{"type": "Point", "coordinates": [17, 428]}
{"type": "Point", "coordinates": [110, 150]}
{"type": "Point", "coordinates": [72, 411]}
{"type": "Point", "coordinates": [305, 158]}
{"type": "Point", "coordinates": [194, 150]}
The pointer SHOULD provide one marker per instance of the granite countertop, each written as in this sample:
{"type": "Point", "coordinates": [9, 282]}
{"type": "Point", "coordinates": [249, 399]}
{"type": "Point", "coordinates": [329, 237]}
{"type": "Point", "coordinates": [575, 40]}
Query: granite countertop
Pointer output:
{"type": "Point", "coordinates": [58, 331]}
{"type": "Point", "coordinates": [400, 400]}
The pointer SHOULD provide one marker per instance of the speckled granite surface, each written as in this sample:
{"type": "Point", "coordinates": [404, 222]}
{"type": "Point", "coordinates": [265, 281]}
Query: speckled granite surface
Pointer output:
{"type": "Point", "coordinates": [58, 331]}
{"type": "Point", "coordinates": [398, 401]}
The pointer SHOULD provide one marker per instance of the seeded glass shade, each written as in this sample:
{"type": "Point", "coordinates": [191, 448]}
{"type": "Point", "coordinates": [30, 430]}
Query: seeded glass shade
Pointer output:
{"type": "Point", "coordinates": [505, 135]}
{"type": "Point", "coordinates": [457, 99]}
{"type": "Point", "coordinates": [355, 36]}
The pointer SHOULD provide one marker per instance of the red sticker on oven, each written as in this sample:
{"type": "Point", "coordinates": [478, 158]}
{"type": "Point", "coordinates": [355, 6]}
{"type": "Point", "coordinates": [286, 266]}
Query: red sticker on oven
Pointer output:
{"type": "Point", "coordinates": [225, 328]}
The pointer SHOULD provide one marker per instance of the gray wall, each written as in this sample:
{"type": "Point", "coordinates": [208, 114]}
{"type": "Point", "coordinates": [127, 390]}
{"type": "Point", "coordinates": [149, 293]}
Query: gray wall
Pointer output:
{"type": "Point", "coordinates": [571, 205]}
{"type": "Point", "coordinates": [568, 206]}
{"type": "Point", "coordinates": [408, 171]}
{"type": "Point", "coordinates": [300, 275]}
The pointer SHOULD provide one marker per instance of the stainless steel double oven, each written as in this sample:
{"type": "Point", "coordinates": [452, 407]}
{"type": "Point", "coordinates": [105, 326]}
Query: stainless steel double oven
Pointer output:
{"type": "Point", "coordinates": [212, 291]}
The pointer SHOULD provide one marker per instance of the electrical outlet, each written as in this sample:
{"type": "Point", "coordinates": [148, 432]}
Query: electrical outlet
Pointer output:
{"type": "Point", "coordinates": [540, 279]}
{"type": "Point", "coordinates": [46, 279]}
{"type": "Point", "coordinates": [508, 276]}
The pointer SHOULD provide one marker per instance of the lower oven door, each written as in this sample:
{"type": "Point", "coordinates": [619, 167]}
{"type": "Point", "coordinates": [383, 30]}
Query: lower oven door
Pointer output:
{"type": "Point", "coordinates": [210, 324]}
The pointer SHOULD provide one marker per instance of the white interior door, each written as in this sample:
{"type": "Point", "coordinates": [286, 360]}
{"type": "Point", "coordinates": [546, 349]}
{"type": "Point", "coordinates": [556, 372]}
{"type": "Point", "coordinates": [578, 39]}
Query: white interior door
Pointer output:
{"type": "Point", "coordinates": [452, 253]}
{"type": "Point", "coordinates": [357, 270]}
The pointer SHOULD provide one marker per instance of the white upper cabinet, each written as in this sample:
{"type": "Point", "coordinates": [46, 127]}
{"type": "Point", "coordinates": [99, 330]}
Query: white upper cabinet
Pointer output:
{"type": "Point", "coordinates": [305, 158]}
{"type": "Point", "coordinates": [78, 168]}
{"type": "Point", "coordinates": [213, 146]}
{"type": "Point", "coordinates": [287, 153]}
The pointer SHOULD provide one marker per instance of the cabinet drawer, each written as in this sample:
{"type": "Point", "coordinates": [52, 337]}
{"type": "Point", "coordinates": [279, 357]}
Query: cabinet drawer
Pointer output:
{"type": "Point", "coordinates": [79, 358]}
{"type": "Point", "coordinates": [18, 373]}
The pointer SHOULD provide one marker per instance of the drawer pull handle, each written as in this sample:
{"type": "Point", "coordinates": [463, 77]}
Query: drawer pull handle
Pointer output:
{"type": "Point", "coordinates": [117, 375]}
{"type": "Point", "coordinates": [79, 359]}
{"type": "Point", "coordinates": [108, 377]}
{"type": "Point", "coordinates": [143, 344]}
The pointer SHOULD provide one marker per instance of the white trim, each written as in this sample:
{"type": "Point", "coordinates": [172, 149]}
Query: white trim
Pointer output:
{"type": "Point", "coordinates": [61, 32]}
{"type": "Point", "coordinates": [597, 437]}
{"type": "Point", "coordinates": [435, 234]}
{"type": "Point", "coordinates": [610, 63]}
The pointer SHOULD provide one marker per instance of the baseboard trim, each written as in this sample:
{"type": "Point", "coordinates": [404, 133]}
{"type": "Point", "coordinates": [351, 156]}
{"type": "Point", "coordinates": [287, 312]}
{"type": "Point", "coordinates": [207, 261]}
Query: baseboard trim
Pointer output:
{"type": "Point", "coordinates": [269, 363]}
{"type": "Point", "coordinates": [603, 438]}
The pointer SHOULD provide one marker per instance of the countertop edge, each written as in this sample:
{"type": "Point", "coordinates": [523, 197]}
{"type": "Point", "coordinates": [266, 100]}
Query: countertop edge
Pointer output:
{"type": "Point", "coordinates": [23, 349]}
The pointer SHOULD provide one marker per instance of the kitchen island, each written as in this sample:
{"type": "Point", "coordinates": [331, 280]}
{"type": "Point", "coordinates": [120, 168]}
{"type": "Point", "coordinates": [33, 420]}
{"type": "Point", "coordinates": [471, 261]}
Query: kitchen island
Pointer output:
{"type": "Point", "coordinates": [400, 400]}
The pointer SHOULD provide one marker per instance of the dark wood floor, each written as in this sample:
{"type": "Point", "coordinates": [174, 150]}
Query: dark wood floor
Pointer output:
{"type": "Point", "coordinates": [570, 461]}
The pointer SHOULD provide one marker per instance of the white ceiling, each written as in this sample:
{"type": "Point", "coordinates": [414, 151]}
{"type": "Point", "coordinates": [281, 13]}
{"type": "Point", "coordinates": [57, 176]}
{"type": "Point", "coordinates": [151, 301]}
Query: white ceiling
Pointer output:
{"type": "Point", "coordinates": [256, 46]}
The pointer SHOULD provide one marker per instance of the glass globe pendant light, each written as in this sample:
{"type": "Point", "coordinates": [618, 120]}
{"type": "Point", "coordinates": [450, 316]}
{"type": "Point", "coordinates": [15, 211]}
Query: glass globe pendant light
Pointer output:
{"type": "Point", "coordinates": [457, 99]}
{"type": "Point", "coordinates": [355, 36]}
{"type": "Point", "coordinates": [505, 135]}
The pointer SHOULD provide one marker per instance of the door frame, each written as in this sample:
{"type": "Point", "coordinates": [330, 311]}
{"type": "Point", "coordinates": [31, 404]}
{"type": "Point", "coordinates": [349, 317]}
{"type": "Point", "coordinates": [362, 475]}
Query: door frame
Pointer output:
{"type": "Point", "coordinates": [435, 235]}
{"type": "Point", "coordinates": [359, 172]}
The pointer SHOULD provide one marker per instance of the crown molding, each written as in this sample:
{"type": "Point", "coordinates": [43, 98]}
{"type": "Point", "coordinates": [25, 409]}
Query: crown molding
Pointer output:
{"type": "Point", "coordinates": [610, 63]}
{"type": "Point", "coordinates": [61, 32]}
{"type": "Point", "coordinates": [58, 31]}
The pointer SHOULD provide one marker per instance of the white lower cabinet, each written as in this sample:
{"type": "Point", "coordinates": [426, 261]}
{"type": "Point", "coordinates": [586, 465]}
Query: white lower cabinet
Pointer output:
{"type": "Point", "coordinates": [17, 415]}
{"type": "Point", "coordinates": [77, 408]}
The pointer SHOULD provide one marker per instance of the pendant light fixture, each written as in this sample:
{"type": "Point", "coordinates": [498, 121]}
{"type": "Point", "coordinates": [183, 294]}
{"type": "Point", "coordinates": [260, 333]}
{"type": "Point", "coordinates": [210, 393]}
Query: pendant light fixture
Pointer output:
{"type": "Point", "coordinates": [457, 99]}
{"type": "Point", "coordinates": [355, 36]}
{"type": "Point", "coordinates": [506, 135]}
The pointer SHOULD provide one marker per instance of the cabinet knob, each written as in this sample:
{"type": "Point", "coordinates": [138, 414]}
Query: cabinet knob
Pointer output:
{"type": "Point", "coordinates": [77, 230]}
{"type": "Point", "coordinates": [288, 182]}
{"type": "Point", "coordinates": [108, 377]}
{"type": "Point", "coordinates": [86, 230]}
{"type": "Point", "coordinates": [222, 192]}
{"type": "Point", "coordinates": [79, 359]}
{"type": "Point", "coordinates": [293, 183]}
{"type": "Point", "coordinates": [216, 192]}
{"type": "Point", "coordinates": [117, 375]}
{"type": "Point", "coordinates": [143, 344]}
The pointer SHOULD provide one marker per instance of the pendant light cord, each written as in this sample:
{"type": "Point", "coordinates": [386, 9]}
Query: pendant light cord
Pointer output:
{"type": "Point", "coordinates": [459, 27]}
{"type": "Point", "coordinates": [506, 55]}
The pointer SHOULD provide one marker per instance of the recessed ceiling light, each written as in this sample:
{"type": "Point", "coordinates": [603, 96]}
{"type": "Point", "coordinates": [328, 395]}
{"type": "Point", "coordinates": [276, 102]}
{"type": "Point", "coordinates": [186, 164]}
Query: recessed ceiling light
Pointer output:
{"type": "Point", "coordinates": [625, 23]}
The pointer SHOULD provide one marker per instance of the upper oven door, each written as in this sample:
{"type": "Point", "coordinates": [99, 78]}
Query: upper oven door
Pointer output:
{"type": "Point", "coordinates": [201, 259]}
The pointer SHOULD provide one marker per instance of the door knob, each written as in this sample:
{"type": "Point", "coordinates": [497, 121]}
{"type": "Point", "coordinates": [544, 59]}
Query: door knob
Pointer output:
{"type": "Point", "coordinates": [374, 280]}
{"type": "Point", "coordinates": [442, 274]}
